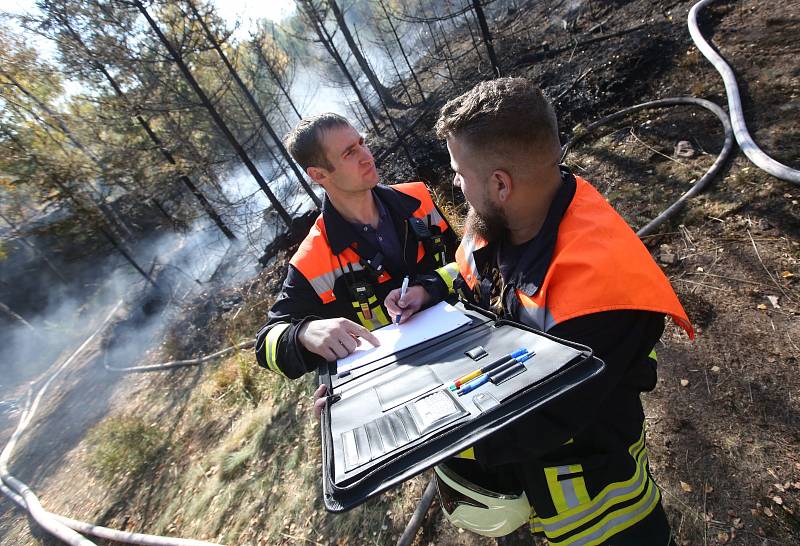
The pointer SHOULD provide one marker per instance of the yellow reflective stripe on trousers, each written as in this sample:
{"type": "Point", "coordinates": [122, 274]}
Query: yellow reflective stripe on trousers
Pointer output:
{"type": "Point", "coordinates": [653, 355]}
{"type": "Point", "coordinates": [468, 453]}
{"type": "Point", "coordinates": [271, 346]}
{"type": "Point", "coordinates": [535, 523]}
{"type": "Point", "coordinates": [448, 273]}
{"type": "Point", "coordinates": [567, 486]}
{"type": "Point", "coordinates": [612, 495]}
{"type": "Point", "coordinates": [618, 520]}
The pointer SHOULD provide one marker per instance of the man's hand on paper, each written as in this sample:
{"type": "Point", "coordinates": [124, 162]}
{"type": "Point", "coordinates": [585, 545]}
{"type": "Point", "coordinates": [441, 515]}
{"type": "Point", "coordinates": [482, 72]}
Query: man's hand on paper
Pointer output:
{"type": "Point", "coordinates": [320, 399]}
{"type": "Point", "coordinates": [415, 299]}
{"type": "Point", "coordinates": [335, 338]}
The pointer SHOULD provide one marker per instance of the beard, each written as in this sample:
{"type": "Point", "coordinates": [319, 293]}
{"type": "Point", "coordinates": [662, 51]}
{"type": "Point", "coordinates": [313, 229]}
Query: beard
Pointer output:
{"type": "Point", "coordinates": [489, 225]}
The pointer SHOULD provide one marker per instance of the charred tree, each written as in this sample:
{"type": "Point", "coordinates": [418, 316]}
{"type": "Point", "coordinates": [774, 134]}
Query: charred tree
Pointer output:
{"type": "Point", "coordinates": [327, 41]}
{"type": "Point", "coordinates": [253, 104]}
{"type": "Point", "coordinates": [397, 134]}
{"type": "Point", "coordinates": [383, 92]}
{"type": "Point", "coordinates": [275, 77]}
{"type": "Point", "coordinates": [178, 60]}
{"type": "Point", "coordinates": [487, 36]}
{"type": "Point", "coordinates": [400, 79]}
{"type": "Point", "coordinates": [439, 25]}
{"type": "Point", "coordinates": [193, 189]}
{"type": "Point", "coordinates": [402, 49]}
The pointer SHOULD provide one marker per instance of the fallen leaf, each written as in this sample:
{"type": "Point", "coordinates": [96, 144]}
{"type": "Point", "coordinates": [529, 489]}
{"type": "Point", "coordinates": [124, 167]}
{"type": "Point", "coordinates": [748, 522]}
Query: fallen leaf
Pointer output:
{"type": "Point", "coordinates": [715, 369]}
{"type": "Point", "coordinates": [700, 269]}
{"type": "Point", "coordinates": [684, 382]}
{"type": "Point", "coordinates": [723, 537]}
{"type": "Point", "coordinates": [774, 301]}
{"type": "Point", "coordinates": [777, 500]}
{"type": "Point", "coordinates": [737, 522]}
{"type": "Point", "coordinates": [762, 306]}
{"type": "Point", "coordinates": [686, 487]}
{"type": "Point", "coordinates": [787, 274]}
{"type": "Point", "coordinates": [767, 512]}
{"type": "Point", "coordinates": [708, 489]}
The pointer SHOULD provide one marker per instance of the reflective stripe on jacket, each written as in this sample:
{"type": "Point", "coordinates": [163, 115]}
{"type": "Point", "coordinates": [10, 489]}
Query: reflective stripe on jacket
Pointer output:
{"type": "Point", "coordinates": [326, 267]}
{"type": "Point", "coordinates": [321, 267]}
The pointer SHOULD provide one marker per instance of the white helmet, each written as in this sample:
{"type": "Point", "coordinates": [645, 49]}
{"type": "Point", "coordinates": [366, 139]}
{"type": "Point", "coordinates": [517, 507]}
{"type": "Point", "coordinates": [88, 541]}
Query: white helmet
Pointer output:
{"type": "Point", "coordinates": [474, 507]}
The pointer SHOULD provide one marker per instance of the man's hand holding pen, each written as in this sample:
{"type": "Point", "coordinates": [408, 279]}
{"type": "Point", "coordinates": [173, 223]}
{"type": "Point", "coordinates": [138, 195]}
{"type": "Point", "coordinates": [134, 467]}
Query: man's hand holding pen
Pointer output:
{"type": "Point", "coordinates": [404, 306]}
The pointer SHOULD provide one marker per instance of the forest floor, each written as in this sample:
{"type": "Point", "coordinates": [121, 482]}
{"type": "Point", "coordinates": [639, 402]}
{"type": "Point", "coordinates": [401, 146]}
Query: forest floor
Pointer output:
{"type": "Point", "coordinates": [235, 453]}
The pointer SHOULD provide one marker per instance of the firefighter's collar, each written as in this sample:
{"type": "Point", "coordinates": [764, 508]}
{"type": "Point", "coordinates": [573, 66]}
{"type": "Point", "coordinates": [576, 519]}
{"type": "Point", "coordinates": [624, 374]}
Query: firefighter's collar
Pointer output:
{"type": "Point", "coordinates": [341, 233]}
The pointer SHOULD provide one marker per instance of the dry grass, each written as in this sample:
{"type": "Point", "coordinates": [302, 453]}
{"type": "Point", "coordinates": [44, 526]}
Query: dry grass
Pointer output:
{"type": "Point", "coordinates": [122, 446]}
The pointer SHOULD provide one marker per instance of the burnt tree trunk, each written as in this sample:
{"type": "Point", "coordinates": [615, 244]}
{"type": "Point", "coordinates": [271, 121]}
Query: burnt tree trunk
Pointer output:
{"type": "Point", "coordinates": [327, 41]}
{"type": "Point", "coordinates": [402, 49]}
{"type": "Point", "coordinates": [276, 78]}
{"type": "Point", "coordinates": [487, 36]}
{"type": "Point", "coordinates": [287, 219]}
{"type": "Point", "coordinates": [383, 92]}
{"type": "Point", "coordinates": [253, 104]}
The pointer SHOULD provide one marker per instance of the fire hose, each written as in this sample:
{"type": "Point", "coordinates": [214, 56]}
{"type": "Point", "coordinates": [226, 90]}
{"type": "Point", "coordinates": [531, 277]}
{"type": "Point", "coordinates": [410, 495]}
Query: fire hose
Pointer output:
{"type": "Point", "coordinates": [750, 148]}
{"type": "Point", "coordinates": [698, 186]}
{"type": "Point", "coordinates": [66, 529]}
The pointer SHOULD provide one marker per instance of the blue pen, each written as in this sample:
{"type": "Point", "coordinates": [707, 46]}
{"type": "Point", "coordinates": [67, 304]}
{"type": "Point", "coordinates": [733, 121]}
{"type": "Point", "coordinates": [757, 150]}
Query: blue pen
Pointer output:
{"type": "Point", "coordinates": [489, 367]}
{"type": "Point", "coordinates": [501, 374]}
{"type": "Point", "coordinates": [474, 384]}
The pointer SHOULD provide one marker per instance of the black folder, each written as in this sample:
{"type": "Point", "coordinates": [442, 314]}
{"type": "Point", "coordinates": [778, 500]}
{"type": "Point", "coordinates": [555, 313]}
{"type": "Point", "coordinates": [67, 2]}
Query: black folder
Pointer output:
{"type": "Point", "coordinates": [395, 417]}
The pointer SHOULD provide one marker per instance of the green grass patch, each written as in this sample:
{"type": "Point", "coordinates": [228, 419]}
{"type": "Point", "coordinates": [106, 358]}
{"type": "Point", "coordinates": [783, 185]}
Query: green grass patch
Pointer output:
{"type": "Point", "coordinates": [122, 446]}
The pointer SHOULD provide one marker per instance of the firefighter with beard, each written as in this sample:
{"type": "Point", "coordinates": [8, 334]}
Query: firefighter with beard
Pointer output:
{"type": "Point", "coordinates": [544, 248]}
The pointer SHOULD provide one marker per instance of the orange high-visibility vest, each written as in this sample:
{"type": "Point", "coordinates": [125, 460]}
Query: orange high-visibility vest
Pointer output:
{"type": "Point", "coordinates": [321, 267]}
{"type": "Point", "coordinates": [598, 264]}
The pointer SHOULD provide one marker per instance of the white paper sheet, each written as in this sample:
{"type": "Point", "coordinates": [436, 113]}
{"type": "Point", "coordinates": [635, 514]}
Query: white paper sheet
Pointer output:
{"type": "Point", "coordinates": [428, 324]}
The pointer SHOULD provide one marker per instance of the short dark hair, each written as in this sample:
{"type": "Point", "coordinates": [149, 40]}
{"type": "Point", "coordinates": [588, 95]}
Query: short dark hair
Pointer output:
{"type": "Point", "coordinates": [502, 115]}
{"type": "Point", "coordinates": [304, 142]}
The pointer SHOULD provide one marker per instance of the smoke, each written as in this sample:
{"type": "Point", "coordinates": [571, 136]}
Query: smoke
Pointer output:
{"type": "Point", "coordinates": [185, 266]}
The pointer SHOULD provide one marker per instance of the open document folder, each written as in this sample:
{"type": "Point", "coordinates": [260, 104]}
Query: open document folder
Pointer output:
{"type": "Point", "coordinates": [396, 409]}
{"type": "Point", "coordinates": [423, 326]}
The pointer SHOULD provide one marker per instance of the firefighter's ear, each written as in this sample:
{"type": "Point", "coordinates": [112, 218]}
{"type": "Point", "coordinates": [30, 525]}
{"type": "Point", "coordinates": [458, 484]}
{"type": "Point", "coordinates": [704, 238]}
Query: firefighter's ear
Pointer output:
{"type": "Point", "coordinates": [503, 184]}
{"type": "Point", "coordinates": [317, 174]}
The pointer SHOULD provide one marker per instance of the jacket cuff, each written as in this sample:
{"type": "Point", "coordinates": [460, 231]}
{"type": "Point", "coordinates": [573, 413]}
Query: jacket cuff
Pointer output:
{"type": "Point", "coordinates": [308, 361]}
{"type": "Point", "coordinates": [433, 285]}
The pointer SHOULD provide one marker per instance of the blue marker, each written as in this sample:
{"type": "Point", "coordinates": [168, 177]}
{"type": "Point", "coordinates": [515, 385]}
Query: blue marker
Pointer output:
{"type": "Point", "coordinates": [501, 374]}
{"type": "Point", "coordinates": [489, 367]}
{"type": "Point", "coordinates": [474, 384]}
